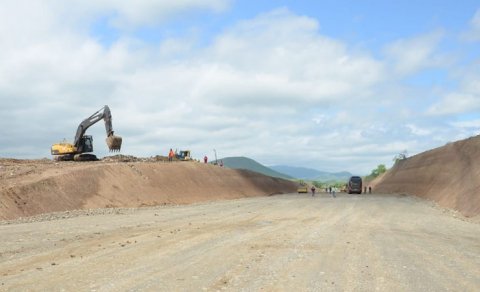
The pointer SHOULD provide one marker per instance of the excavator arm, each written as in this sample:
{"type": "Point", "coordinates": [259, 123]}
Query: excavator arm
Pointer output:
{"type": "Point", "coordinates": [114, 142]}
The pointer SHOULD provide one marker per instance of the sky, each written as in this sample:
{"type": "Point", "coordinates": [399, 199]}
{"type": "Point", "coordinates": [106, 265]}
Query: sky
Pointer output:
{"type": "Point", "coordinates": [331, 85]}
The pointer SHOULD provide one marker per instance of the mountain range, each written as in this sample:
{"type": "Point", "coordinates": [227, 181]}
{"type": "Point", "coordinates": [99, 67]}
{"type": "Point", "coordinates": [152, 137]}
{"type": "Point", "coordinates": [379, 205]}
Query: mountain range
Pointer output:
{"type": "Point", "coordinates": [283, 171]}
{"type": "Point", "coordinates": [252, 165]}
{"type": "Point", "coordinates": [311, 174]}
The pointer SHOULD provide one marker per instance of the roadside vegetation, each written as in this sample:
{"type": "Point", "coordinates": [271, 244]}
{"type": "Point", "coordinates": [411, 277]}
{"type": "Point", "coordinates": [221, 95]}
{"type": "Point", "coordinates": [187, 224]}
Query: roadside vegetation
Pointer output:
{"type": "Point", "coordinates": [381, 168]}
{"type": "Point", "coordinates": [339, 184]}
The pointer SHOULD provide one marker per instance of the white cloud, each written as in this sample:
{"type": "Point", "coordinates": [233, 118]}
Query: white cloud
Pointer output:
{"type": "Point", "coordinates": [269, 87]}
{"type": "Point", "coordinates": [473, 33]}
{"type": "Point", "coordinates": [408, 56]}
{"type": "Point", "coordinates": [149, 12]}
{"type": "Point", "coordinates": [418, 131]}
{"type": "Point", "coordinates": [281, 57]}
{"type": "Point", "coordinates": [465, 99]}
{"type": "Point", "coordinates": [128, 15]}
{"type": "Point", "coordinates": [456, 103]}
{"type": "Point", "coordinates": [467, 124]}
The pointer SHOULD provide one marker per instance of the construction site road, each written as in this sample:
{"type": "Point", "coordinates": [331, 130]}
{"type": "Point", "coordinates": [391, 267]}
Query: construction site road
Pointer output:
{"type": "Point", "coordinates": [285, 242]}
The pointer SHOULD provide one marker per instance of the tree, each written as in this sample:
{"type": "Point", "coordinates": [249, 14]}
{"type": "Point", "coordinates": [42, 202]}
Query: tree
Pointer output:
{"type": "Point", "coordinates": [379, 170]}
{"type": "Point", "coordinates": [400, 156]}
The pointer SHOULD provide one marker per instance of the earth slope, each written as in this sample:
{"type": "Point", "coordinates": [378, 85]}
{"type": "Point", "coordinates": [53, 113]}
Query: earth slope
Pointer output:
{"type": "Point", "coordinates": [40, 186]}
{"type": "Point", "coordinates": [449, 175]}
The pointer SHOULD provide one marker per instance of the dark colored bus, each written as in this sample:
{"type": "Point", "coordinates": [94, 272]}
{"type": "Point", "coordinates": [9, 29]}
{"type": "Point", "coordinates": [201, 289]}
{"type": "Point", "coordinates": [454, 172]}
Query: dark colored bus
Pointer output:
{"type": "Point", "coordinates": [354, 185]}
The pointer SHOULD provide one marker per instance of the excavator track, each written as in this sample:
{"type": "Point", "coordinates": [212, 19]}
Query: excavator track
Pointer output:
{"type": "Point", "coordinates": [85, 157]}
{"type": "Point", "coordinates": [65, 157]}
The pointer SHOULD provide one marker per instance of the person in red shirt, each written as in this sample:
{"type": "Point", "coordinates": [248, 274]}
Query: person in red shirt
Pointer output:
{"type": "Point", "coordinates": [170, 155]}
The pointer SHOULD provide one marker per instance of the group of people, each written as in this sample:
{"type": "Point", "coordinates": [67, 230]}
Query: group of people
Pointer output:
{"type": "Point", "coordinates": [331, 190]}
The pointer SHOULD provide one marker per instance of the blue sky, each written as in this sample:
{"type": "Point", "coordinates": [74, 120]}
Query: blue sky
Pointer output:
{"type": "Point", "coordinates": [363, 23]}
{"type": "Point", "coordinates": [332, 85]}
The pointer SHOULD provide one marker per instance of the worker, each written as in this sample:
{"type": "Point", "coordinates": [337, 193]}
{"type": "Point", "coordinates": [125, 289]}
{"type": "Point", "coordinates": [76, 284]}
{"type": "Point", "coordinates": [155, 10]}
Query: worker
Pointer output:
{"type": "Point", "coordinates": [170, 155]}
{"type": "Point", "coordinates": [313, 191]}
{"type": "Point", "coordinates": [369, 189]}
{"type": "Point", "coordinates": [334, 190]}
{"type": "Point", "coordinates": [205, 159]}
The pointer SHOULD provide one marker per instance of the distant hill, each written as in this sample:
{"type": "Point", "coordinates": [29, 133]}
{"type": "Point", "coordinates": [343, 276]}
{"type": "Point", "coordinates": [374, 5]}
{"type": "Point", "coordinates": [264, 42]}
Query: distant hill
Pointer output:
{"type": "Point", "coordinates": [250, 164]}
{"type": "Point", "coordinates": [311, 174]}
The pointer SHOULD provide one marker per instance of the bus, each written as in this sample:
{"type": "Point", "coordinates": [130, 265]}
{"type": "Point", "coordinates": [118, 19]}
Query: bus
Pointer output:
{"type": "Point", "coordinates": [354, 185]}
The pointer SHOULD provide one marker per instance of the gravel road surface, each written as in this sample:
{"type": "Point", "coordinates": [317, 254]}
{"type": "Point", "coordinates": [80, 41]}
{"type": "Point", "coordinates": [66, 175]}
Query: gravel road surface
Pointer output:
{"type": "Point", "coordinates": [285, 242]}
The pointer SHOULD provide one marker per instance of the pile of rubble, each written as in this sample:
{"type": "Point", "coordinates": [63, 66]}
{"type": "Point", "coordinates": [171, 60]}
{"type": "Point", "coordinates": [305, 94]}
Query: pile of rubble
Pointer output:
{"type": "Point", "coordinates": [131, 158]}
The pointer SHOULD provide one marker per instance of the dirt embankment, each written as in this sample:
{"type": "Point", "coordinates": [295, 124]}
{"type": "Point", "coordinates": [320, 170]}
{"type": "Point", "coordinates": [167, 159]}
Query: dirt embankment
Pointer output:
{"type": "Point", "coordinates": [34, 187]}
{"type": "Point", "coordinates": [449, 175]}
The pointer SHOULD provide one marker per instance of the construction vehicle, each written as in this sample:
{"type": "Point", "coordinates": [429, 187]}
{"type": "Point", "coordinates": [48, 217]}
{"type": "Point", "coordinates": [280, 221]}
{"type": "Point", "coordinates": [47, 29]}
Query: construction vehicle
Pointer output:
{"type": "Point", "coordinates": [302, 188]}
{"type": "Point", "coordinates": [183, 155]}
{"type": "Point", "coordinates": [354, 185]}
{"type": "Point", "coordinates": [83, 144]}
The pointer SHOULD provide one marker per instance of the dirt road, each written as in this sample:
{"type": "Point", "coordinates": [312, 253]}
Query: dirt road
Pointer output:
{"type": "Point", "coordinates": [285, 242]}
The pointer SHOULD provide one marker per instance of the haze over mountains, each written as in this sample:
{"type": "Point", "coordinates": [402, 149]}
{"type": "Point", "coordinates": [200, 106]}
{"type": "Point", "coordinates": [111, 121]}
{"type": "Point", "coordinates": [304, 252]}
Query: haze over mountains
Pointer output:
{"type": "Point", "coordinates": [283, 171]}
{"type": "Point", "coordinates": [252, 165]}
{"type": "Point", "coordinates": [310, 173]}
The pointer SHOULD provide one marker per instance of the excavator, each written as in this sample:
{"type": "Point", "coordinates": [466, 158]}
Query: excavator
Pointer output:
{"type": "Point", "coordinates": [83, 144]}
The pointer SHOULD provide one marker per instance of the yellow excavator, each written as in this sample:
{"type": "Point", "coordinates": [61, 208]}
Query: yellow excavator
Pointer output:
{"type": "Point", "coordinates": [83, 144]}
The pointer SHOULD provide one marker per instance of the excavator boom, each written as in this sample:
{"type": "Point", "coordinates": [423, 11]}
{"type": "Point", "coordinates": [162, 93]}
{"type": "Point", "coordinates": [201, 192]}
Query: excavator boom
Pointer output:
{"type": "Point", "coordinates": [114, 143]}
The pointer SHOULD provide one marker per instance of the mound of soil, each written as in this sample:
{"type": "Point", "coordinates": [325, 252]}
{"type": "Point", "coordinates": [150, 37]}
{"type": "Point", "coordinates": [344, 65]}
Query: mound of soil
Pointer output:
{"type": "Point", "coordinates": [449, 175]}
{"type": "Point", "coordinates": [29, 187]}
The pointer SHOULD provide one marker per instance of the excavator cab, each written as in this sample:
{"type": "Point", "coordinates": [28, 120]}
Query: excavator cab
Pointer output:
{"type": "Point", "coordinates": [86, 144]}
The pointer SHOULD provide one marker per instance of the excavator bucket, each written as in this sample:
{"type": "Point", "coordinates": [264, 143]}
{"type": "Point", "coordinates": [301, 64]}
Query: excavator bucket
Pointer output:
{"type": "Point", "coordinates": [114, 143]}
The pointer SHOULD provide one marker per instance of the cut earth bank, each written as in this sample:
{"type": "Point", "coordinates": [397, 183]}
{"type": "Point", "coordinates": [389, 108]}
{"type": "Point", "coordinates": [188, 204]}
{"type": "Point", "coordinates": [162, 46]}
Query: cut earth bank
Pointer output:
{"type": "Point", "coordinates": [32, 187]}
{"type": "Point", "coordinates": [448, 175]}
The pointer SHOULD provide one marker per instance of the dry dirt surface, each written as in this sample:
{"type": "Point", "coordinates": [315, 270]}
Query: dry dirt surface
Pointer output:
{"type": "Point", "coordinates": [448, 175]}
{"type": "Point", "coordinates": [32, 187]}
{"type": "Point", "coordinates": [278, 243]}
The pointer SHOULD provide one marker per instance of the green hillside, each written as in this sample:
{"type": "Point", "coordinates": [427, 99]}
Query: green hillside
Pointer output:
{"type": "Point", "coordinates": [252, 165]}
